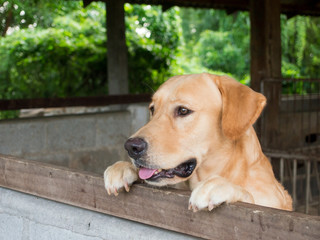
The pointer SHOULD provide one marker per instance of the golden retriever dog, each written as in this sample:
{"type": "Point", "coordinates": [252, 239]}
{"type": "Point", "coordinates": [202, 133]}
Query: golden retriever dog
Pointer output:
{"type": "Point", "coordinates": [200, 133]}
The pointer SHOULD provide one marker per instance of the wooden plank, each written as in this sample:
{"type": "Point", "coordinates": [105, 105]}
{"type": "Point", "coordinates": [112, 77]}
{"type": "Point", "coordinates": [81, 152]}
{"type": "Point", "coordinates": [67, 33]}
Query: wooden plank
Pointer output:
{"type": "Point", "coordinates": [16, 104]}
{"type": "Point", "coordinates": [291, 156]}
{"type": "Point", "coordinates": [164, 208]}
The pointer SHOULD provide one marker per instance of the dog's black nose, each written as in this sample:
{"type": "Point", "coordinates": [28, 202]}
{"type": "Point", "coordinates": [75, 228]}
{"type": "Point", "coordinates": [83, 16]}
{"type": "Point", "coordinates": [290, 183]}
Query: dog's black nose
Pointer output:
{"type": "Point", "coordinates": [136, 147]}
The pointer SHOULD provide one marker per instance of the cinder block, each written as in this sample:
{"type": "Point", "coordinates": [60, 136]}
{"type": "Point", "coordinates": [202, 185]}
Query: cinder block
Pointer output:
{"type": "Point", "coordinates": [11, 227]}
{"type": "Point", "coordinates": [113, 129]}
{"type": "Point", "coordinates": [70, 133]}
{"type": "Point", "coordinates": [22, 136]}
{"type": "Point", "coordinates": [139, 114]}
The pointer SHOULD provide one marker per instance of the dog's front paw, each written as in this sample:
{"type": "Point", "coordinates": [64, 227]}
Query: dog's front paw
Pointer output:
{"type": "Point", "coordinates": [119, 175]}
{"type": "Point", "coordinates": [215, 191]}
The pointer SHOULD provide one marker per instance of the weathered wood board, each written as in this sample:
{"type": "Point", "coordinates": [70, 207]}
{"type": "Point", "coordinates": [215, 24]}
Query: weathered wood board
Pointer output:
{"type": "Point", "coordinates": [164, 208]}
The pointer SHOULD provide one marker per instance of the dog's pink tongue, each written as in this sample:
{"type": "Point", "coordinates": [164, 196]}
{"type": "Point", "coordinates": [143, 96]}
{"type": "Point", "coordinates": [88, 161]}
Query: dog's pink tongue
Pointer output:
{"type": "Point", "coordinates": [145, 173]}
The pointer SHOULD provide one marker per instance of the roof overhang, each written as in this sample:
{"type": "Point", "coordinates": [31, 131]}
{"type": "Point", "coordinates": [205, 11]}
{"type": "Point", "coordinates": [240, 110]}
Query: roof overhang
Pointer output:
{"type": "Point", "coordinates": [288, 7]}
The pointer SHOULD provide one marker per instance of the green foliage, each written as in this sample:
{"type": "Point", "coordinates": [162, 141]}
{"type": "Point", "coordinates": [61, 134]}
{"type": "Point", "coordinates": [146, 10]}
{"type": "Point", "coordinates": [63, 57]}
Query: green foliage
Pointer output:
{"type": "Point", "coordinates": [20, 14]}
{"type": "Point", "coordinates": [301, 47]}
{"type": "Point", "coordinates": [69, 57]}
{"type": "Point", "coordinates": [153, 39]}
{"type": "Point", "coordinates": [218, 50]}
{"type": "Point", "coordinates": [218, 47]}
{"type": "Point", "coordinates": [300, 53]}
{"type": "Point", "coordinates": [9, 114]}
{"type": "Point", "coordinates": [68, 60]}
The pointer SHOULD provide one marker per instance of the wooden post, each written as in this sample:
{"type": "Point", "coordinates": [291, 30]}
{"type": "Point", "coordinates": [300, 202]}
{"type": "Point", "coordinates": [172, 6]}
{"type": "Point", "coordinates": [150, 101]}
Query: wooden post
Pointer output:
{"type": "Point", "coordinates": [117, 48]}
{"type": "Point", "coordinates": [266, 64]}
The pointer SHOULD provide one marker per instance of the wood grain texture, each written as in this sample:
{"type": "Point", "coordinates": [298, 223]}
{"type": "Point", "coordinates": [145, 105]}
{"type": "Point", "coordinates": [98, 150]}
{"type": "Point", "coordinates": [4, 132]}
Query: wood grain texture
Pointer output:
{"type": "Point", "coordinates": [164, 208]}
{"type": "Point", "coordinates": [265, 51]}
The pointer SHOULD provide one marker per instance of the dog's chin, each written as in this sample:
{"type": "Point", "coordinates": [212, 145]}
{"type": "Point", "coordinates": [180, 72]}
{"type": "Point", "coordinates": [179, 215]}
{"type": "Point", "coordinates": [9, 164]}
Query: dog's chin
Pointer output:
{"type": "Point", "coordinates": [167, 181]}
{"type": "Point", "coordinates": [162, 177]}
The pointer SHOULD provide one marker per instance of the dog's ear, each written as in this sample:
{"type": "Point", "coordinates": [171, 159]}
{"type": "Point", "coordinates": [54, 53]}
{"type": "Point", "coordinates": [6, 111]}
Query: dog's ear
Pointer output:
{"type": "Point", "coordinates": [241, 106]}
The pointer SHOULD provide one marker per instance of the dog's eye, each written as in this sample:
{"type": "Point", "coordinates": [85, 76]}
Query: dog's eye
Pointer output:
{"type": "Point", "coordinates": [182, 111]}
{"type": "Point", "coordinates": [151, 110]}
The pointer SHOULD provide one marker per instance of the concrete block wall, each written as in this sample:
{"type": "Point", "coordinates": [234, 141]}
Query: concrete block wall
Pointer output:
{"type": "Point", "coordinates": [89, 142]}
{"type": "Point", "coordinates": [26, 217]}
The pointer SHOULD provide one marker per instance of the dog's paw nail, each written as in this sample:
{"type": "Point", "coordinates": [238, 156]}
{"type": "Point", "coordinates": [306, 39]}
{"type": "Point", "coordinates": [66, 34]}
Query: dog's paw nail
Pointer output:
{"type": "Point", "coordinates": [211, 206]}
{"type": "Point", "coordinates": [109, 192]}
{"type": "Point", "coordinates": [190, 206]}
{"type": "Point", "coordinates": [126, 186]}
{"type": "Point", "coordinates": [115, 191]}
{"type": "Point", "coordinates": [195, 209]}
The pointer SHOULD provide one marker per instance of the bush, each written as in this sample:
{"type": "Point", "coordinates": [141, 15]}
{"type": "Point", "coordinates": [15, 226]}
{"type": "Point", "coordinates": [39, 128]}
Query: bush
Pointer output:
{"type": "Point", "coordinates": [69, 58]}
{"type": "Point", "coordinates": [219, 51]}
{"type": "Point", "coordinates": [153, 39]}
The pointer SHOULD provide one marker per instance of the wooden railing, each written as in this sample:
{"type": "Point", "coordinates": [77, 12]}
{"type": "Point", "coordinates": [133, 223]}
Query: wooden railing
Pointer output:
{"type": "Point", "coordinates": [289, 175]}
{"type": "Point", "coordinates": [164, 208]}
{"type": "Point", "coordinates": [16, 104]}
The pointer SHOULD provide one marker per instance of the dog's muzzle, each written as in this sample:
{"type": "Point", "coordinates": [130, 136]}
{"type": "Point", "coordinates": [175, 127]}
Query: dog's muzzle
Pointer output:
{"type": "Point", "coordinates": [137, 147]}
{"type": "Point", "coordinates": [183, 170]}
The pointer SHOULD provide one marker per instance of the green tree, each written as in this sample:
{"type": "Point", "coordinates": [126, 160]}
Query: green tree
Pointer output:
{"type": "Point", "coordinates": [69, 57]}
{"type": "Point", "coordinates": [67, 60]}
{"type": "Point", "coordinates": [221, 41]}
{"type": "Point", "coordinates": [219, 51]}
{"type": "Point", "coordinates": [153, 40]}
{"type": "Point", "coordinates": [19, 14]}
{"type": "Point", "coordinates": [300, 53]}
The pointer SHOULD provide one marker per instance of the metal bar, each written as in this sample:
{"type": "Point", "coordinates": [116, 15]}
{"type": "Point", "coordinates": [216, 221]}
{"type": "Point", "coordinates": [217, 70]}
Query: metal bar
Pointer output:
{"type": "Point", "coordinates": [318, 183]}
{"type": "Point", "coordinates": [294, 184]}
{"type": "Point", "coordinates": [316, 171]}
{"type": "Point", "coordinates": [281, 170]}
{"type": "Point", "coordinates": [16, 104]}
{"type": "Point", "coordinates": [288, 169]}
{"type": "Point", "coordinates": [308, 163]}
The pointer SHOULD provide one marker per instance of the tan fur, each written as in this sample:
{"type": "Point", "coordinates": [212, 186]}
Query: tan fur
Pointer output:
{"type": "Point", "coordinates": [219, 134]}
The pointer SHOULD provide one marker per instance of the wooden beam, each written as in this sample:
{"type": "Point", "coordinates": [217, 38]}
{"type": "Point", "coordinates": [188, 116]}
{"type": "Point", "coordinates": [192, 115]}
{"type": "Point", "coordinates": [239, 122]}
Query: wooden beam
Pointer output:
{"type": "Point", "coordinates": [16, 104]}
{"type": "Point", "coordinates": [265, 50]}
{"type": "Point", "coordinates": [232, 5]}
{"type": "Point", "coordinates": [291, 156]}
{"type": "Point", "coordinates": [265, 41]}
{"type": "Point", "coordinates": [164, 208]}
{"type": "Point", "coordinates": [289, 7]}
{"type": "Point", "coordinates": [116, 48]}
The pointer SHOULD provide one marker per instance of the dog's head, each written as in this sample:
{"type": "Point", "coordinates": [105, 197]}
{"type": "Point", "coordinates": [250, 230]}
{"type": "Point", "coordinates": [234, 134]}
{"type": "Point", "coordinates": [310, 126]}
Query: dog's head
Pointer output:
{"type": "Point", "coordinates": [190, 116]}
